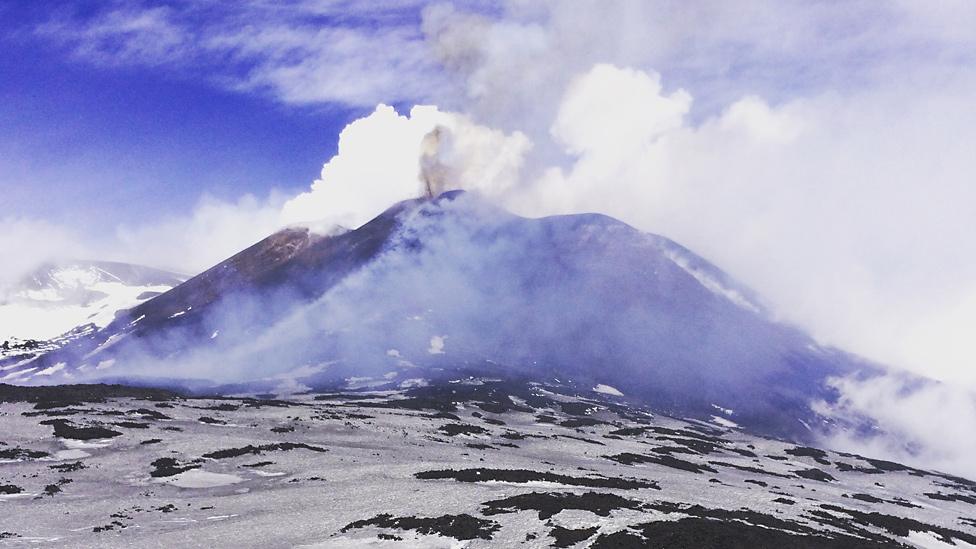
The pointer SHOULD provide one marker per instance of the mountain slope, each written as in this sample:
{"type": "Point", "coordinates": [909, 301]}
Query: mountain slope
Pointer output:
{"type": "Point", "coordinates": [465, 463]}
{"type": "Point", "coordinates": [431, 287]}
{"type": "Point", "coordinates": [58, 302]}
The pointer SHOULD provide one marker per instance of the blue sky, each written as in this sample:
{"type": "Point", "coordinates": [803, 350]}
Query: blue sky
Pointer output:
{"type": "Point", "coordinates": [100, 145]}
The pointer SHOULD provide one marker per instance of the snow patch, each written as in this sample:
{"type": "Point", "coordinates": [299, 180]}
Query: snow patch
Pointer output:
{"type": "Point", "coordinates": [74, 453]}
{"type": "Point", "coordinates": [607, 390]}
{"type": "Point", "coordinates": [52, 370]}
{"type": "Point", "coordinates": [725, 422]}
{"type": "Point", "coordinates": [726, 411]}
{"type": "Point", "coordinates": [198, 478]}
{"type": "Point", "coordinates": [928, 540]}
{"type": "Point", "coordinates": [437, 345]}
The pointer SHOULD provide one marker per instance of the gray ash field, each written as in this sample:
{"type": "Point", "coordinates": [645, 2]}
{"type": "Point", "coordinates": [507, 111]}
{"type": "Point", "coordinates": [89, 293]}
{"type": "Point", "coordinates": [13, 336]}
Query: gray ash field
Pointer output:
{"type": "Point", "coordinates": [463, 463]}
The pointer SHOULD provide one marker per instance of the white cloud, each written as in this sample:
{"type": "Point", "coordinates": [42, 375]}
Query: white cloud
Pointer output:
{"type": "Point", "coordinates": [25, 243]}
{"type": "Point", "coordinates": [306, 52]}
{"type": "Point", "coordinates": [928, 425]}
{"type": "Point", "coordinates": [379, 163]}
{"type": "Point", "coordinates": [851, 214]}
{"type": "Point", "coordinates": [213, 231]}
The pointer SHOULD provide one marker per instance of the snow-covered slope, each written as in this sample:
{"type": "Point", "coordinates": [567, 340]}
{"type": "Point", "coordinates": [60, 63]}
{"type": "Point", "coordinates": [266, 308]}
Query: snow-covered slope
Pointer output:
{"type": "Point", "coordinates": [465, 463]}
{"type": "Point", "coordinates": [60, 301]}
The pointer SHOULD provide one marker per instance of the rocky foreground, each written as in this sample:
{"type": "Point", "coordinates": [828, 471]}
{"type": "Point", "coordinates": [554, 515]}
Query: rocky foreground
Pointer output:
{"type": "Point", "coordinates": [470, 463]}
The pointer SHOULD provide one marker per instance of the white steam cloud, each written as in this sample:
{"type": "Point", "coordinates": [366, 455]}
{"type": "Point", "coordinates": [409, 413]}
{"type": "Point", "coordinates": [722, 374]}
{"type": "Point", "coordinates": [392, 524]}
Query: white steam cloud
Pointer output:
{"type": "Point", "coordinates": [386, 157]}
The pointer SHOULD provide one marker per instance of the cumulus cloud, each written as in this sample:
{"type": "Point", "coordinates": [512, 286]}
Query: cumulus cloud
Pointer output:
{"type": "Point", "coordinates": [386, 157]}
{"type": "Point", "coordinates": [382, 158]}
{"type": "Point", "coordinates": [851, 221]}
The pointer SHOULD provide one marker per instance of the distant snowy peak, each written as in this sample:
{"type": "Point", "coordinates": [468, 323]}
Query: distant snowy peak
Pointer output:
{"type": "Point", "coordinates": [59, 281]}
{"type": "Point", "coordinates": [61, 298]}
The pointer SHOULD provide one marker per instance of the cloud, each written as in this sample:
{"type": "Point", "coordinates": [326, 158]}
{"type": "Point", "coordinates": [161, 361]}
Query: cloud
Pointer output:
{"type": "Point", "coordinates": [25, 243]}
{"type": "Point", "coordinates": [213, 231]}
{"type": "Point", "coordinates": [851, 220]}
{"type": "Point", "coordinates": [379, 163]}
{"type": "Point", "coordinates": [307, 52]}
{"type": "Point", "coordinates": [928, 424]}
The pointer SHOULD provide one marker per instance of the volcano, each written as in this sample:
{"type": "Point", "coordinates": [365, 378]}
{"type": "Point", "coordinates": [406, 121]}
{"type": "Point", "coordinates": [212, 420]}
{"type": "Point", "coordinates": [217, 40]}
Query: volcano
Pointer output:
{"type": "Point", "coordinates": [433, 287]}
{"type": "Point", "coordinates": [449, 375]}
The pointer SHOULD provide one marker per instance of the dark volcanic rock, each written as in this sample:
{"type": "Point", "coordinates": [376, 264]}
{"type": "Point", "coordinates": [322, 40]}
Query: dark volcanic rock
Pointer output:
{"type": "Point", "coordinates": [454, 429]}
{"type": "Point", "coordinates": [66, 429]}
{"type": "Point", "coordinates": [814, 474]}
{"type": "Point", "coordinates": [666, 460]}
{"type": "Point", "coordinates": [952, 497]}
{"type": "Point", "coordinates": [566, 537]}
{"type": "Point", "coordinates": [255, 450]}
{"type": "Point", "coordinates": [68, 467]}
{"type": "Point", "coordinates": [459, 527]}
{"type": "Point", "coordinates": [21, 453]}
{"type": "Point", "coordinates": [899, 526]}
{"type": "Point", "coordinates": [167, 467]}
{"type": "Point", "coordinates": [548, 504]}
{"type": "Point", "coordinates": [802, 451]}
{"type": "Point", "coordinates": [64, 395]}
{"type": "Point", "coordinates": [522, 476]}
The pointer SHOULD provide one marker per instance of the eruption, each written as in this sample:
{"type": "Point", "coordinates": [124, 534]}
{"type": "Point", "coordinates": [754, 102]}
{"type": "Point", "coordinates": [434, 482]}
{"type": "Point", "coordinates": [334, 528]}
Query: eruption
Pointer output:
{"type": "Point", "coordinates": [433, 172]}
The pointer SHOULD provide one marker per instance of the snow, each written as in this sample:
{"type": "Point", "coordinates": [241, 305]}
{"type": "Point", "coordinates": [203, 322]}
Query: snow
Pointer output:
{"type": "Point", "coordinates": [198, 478]}
{"type": "Point", "coordinates": [928, 540]}
{"type": "Point", "coordinates": [74, 453]}
{"type": "Point", "coordinates": [726, 411]}
{"type": "Point", "coordinates": [607, 390]}
{"type": "Point", "coordinates": [53, 369]}
{"type": "Point", "coordinates": [710, 283]}
{"type": "Point", "coordinates": [46, 314]}
{"type": "Point", "coordinates": [413, 382]}
{"type": "Point", "coordinates": [409, 541]}
{"type": "Point", "coordinates": [108, 343]}
{"type": "Point", "coordinates": [17, 374]}
{"type": "Point", "coordinates": [437, 345]}
{"type": "Point", "coordinates": [724, 422]}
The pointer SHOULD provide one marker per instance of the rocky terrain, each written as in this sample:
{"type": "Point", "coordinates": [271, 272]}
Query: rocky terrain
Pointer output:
{"type": "Point", "coordinates": [466, 462]}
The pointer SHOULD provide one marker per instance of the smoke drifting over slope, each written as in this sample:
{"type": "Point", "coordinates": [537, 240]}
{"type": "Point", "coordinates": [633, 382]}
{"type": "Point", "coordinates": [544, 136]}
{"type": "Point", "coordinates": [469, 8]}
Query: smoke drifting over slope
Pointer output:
{"type": "Point", "coordinates": [432, 288]}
